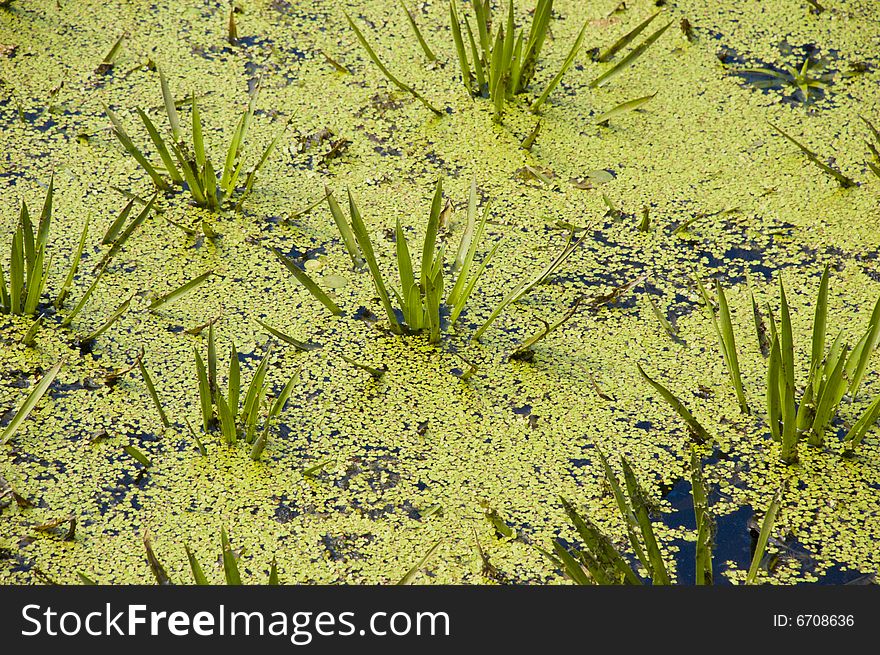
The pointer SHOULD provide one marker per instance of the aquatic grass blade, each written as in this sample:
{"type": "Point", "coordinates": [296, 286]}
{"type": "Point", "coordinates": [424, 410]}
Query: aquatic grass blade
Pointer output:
{"type": "Point", "coordinates": [844, 181]}
{"type": "Point", "coordinates": [697, 431]}
{"type": "Point", "coordinates": [106, 325]}
{"type": "Point", "coordinates": [626, 512]}
{"type": "Point", "coordinates": [659, 575]}
{"type": "Point", "coordinates": [125, 140]}
{"type": "Point", "coordinates": [176, 294]}
{"type": "Point", "coordinates": [299, 345]}
{"type": "Point", "coordinates": [151, 388]}
{"type": "Point", "coordinates": [195, 567]}
{"type": "Point", "coordinates": [410, 575]}
{"type": "Point", "coordinates": [569, 60]}
{"type": "Point", "coordinates": [205, 396]}
{"type": "Point", "coordinates": [623, 108]}
{"type": "Point", "coordinates": [609, 52]}
{"type": "Point", "coordinates": [866, 420]}
{"type": "Point", "coordinates": [230, 565]}
{"type": "Point", "coordinates": [629, 59]}
{"type": "Point", "coordinates": [159, 143]}
{"type": "Point", "coordinates": [126, 234]}
{"type": "Point", "coordinates": [30, 402]}
{"type": "Point", "coordinates": [303, 278]}
{"type": "Point", "coordinates": [391, 78]}
{"type": "Point", "coordinates": [764, 536]}
{"type": "Point", "coordinates": [421, 39]}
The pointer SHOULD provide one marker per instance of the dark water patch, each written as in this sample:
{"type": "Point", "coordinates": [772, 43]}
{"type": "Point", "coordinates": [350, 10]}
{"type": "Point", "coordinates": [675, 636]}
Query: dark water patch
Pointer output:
{"type": "Point", "coordinates": [346, 546]}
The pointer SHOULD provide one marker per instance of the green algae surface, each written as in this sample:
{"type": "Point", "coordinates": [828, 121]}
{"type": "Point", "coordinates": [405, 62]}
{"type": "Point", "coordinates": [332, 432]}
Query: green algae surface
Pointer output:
{"type": "Point", "coordinates": [365, 473]}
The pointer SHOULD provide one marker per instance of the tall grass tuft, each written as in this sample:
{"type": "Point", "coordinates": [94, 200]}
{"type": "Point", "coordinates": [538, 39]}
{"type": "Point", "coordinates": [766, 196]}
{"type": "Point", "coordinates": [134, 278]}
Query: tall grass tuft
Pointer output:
{"type": "Point", "coordinates": [422, 300]}
{"type": "Point", "coordinates": [186, 162]}
{"type": "Point", "coordinates": [502, 62]}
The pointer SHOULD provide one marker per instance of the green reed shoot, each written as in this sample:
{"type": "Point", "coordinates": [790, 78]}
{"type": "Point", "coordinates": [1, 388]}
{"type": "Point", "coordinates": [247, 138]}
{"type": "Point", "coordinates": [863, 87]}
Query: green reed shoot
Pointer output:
{"type": "Point", "coordinates": [623, 108]}
{"type": "Point", "coordinates": [410, 575]}
{"type": "Point", "coordinates": [844, 181]}
{"type": "Point", "coordinates": [303, 278]}
{"type": "Point", "coordinates": [502, 64]}
{"type": "Point", "coordinates": [187, 161]}
{"type": "Point", "coordinates": [524, 351]}
{"type": "Point", "coordinates": [387, 73]}
{"type": "Point", "coordinates": [764, 535]}
{"type": "Point", "coordinates": [176, 294]}
{"type": "Point", "coordinates": [526, 285]}
{"type": "Point", "coordinates": [630, 57]}
{"type": "Point", "coordinates": [874, 162]}
{"type": "Point", "coordinates": [30, 402]}
{"type": "Point", "coordinates": [724, 331]}
{"type": "Point", "coordinates": [151, 388]}
{"type": "Point", "coordinates": [609, 52]}
{"type": "Point", "coordinates": [697, 431]}
{"type": "Point", "coordinates": [421, 39]}
{"type": "Point", "coordinates": [421, 296]}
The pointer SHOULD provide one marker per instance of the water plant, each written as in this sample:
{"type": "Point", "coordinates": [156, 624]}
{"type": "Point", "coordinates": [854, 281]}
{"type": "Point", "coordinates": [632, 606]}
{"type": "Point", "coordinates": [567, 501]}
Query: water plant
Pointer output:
{"type": "Point", "coordinates": [809, 83]}
{"type": "Point", "coordinates": [598, 561]}
{"type": "Point", "coordinates": [190, 165]}
{"type": "Point", "coordinates": [387, 73]}
{"type": "Point", "coordinates": [697, 431]}
{"type": "Point", "coordinates": [30, 402]}
{"type": "Point", "coordinates": [844, 181]}
{"type": "Point", "coordinates": [832, 373]}
{"type": "Point", "coordinates": [235, 420]}
{"type": "Point", "coordinates": [632, 55]}
{"type": "Point", "coordinates": [723, 327]}
{"type": "Point", "coordinates": [874, 147]}
{"type": "Point", "coordinates": [421, 297]}
{"type": "Point", "coordinates": [502, 64]}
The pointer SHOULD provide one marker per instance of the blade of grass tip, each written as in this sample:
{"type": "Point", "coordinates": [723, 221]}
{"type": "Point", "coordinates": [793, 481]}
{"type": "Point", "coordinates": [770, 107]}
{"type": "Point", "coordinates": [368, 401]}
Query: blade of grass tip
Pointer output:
{"type": "Point", "coordinates": [201, 447]}
{"type": "Point", "coordinates": [569, 60]}
{"type": "Point", "coordinates": [205, 397]}
{"type": "Point", "coordinates": [170, 107]}
{"type": "Point", "coordinates": [820, 320]}
{"type": "Point", "coordinates": [703, 521]}
{"type": "Point", "coordinates": [198, 140]}
{"type": "Point", "coordinates": [303, 278]}
{"type": "Point", "coordinates": [844, 181]}
{"type": "Point", "coordinates": [764, 535]}
{"type": "Point", "coordinates": [786, 349]}
{"type": "Point", "coordinates": [179, 292]}
{"type": "Point", "coordinates": [629, 518]}
{"type": "Point", "coordinates": [391, 78]}
{"type": "Point", "coordinates": [496, 76]}
{"type": "Point", "coordinates": [571, 566]}
{"type": "Point", "coordinates": [698, 431]}
{"type": "Point", "coordinates": [348, 238]}
{"type": "Point", "coordinates": [195, 567]}
{"type": "Point", "coordinates": [407, 278]}
{"type": "Point", "coordinates": [412, 21]}
{"type": "Point", "coordinates": [529, 141]}
{"type": "Point", "coordinates": [866, 420]}
{"type": "Point", "coordinates": [829, 400]}
{"type": "Point", "coordinates": [605, 564]}
{"type": "Point", "coordinates": [151, 388]}
{"type": "Point", "coordinates": [299, 345]}
{"type": "Point", "coordinates": [234, 386]}
{"type": "Point", "coordinates": [363, 240]}
{"type": "Point", "coordinates": [129, 146]}
{"type": "Point", "coordinates": [233, 153]}
{"type": "Point", "coordinates": [115, 316]}
{"type": "Point", "coordinates": [467, 237]}
{"type": "Point", "coordinates": [659, 575]}
{"type": "Point", "coordinates": [774, 402]}
{"type": "Point", "coordinates": [867, 351]}
{"type": "Point", "coordinates": [410, 575]}
{"type": "Point", "coordinates": [138, 456]}
{"type": "Point", "coordinates": [726, 325]}
{"type": "Point", "coordinates": [464, 65]}
{"type": "Point", "coordinates": [664, 322]}
{"type": "Point", "coordinates": [760, 329]}
{"type": "Point", "coordinates": [537, 35]}
{"type": "Point", "coordinates": [227, 420]}
{"type": "Point", "coordinates": [159, 142]}
{"type": "Point", "coordinates": [116, 226]}
{"type": "Point", "coordinates": [82, 301]}
{"type": "Point", "coordinates": [30, 402]}
{"type": "Point", "coordinates": [479, 68]}
{"type": "Point", "coordinates": [253, 397]}
{"type": "Point", "coordinates": [5, 304]}
{"type": "Point", "coordinates": [273, 574]}
{"type": "Point", "coordinates": [155, 565]}
{"type": "Point", "coordinates": [34, 286]}
{"type": "Point", "coordinates": [377, 373]}
{"type": "Point", "coordinates": [252, 173]}
{"type": "Point", "coordinates": [274, 412]}
{"type": "Point", "coordinates": [46, 217]}
{"type": "Point", "coordinates": [29, 338]}
{"type": "Point", "coordinates": [230, 565]}
{"type": "Point", "coordinates": [623, 108]}
{"type": "Point", "coordinates": [628, 60]}
{"type": "Point", "coordinates": [523, 350]}
{"type": "Point", "coordinates": [120, 241]}
{"type": "Point", "coordinates": [212, 361]}
{"type": "Point", "coordinates": [16, 271]}
{"type": "Point", "coordinates": [607, 54]}
{"type": "Point", "coordinates": [428, 249]}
